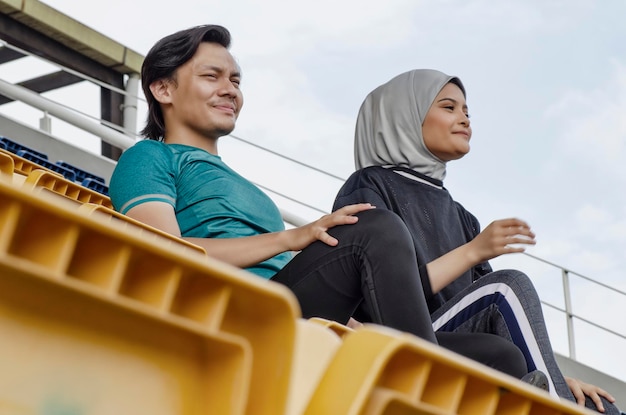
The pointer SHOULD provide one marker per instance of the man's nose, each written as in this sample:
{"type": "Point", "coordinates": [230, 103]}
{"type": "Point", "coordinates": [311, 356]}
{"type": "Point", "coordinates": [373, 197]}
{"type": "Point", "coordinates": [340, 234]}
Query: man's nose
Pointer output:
{"type": "Point", "coordinates": [228, 88]}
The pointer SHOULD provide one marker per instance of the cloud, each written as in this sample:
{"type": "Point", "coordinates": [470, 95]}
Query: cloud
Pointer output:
{"type": "Point", "coordinates": [593, 216]}
{"type": "Point", "coordinates": [508, 18]}
{"type": "Point", "coordinates": [594, 126]}
{"type": "Point", "coordinates": [617, 231]}
{"type": "Point", "coordinates": [585, 170]}
{"type": "Point", "coordinates": [298, 28]}
{"type": "Point", "coordinates": [601, 223]}
{"type": "Point", "coordinates": [283, 112]}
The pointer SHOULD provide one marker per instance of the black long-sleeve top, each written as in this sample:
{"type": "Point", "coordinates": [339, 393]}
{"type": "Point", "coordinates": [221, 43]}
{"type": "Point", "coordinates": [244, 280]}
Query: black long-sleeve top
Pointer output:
{"type": "Point", "coordinates": [436, 222]}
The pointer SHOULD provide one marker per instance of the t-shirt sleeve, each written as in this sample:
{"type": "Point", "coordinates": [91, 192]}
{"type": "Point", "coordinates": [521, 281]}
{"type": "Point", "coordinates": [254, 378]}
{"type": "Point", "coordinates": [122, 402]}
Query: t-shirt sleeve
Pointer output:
{"type": "Point", "coordinates": [361, 195]}
{"type": "Point", "coordinates": [144, 173]}
{"type": "Point", "coordinates": [359, 188]}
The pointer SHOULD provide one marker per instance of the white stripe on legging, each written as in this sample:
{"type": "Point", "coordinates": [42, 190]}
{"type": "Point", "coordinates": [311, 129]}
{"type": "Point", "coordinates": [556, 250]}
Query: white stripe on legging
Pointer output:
{"type": "Point", "coordinates": [520, 315]}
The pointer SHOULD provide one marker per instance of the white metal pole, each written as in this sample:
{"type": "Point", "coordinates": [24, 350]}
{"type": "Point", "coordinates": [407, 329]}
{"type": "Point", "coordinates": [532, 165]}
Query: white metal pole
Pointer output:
{"type": "Point", "coordinates": [130, 105]}
{"type": "Point", "coordinates": [106, 134]}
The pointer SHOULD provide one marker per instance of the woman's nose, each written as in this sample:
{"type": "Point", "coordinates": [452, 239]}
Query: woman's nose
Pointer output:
{"type": "Point", "coordinates": [465, 120]}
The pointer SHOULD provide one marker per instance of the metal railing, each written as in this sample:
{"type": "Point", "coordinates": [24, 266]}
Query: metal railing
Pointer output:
{"type": "Point", "coordinates": [568, 309]}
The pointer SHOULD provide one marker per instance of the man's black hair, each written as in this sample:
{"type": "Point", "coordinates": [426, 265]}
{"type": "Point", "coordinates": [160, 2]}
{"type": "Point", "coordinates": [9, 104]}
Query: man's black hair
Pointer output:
{"type": "Point", "coordinates": [164, 58]}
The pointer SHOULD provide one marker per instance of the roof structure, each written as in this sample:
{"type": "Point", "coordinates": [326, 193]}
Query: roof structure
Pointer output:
{"type": "Point", "coordinates": [42, 30]}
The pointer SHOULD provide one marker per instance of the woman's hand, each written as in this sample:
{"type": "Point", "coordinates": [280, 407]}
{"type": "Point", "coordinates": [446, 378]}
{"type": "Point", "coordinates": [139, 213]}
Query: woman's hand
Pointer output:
{"type": "Point", "coordinates": [300, 238]}
{"type": "Point", "coordinates": [354, 324]}
{"type": "Point", "coordinates": [495, 240]}
{"type": "Point", "coordinates": [500, 237]}
{"type": "Point", "coordinates": [581, 389]}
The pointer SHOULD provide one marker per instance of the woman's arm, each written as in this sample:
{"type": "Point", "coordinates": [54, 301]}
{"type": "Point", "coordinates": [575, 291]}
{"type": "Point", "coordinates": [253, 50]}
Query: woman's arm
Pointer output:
{"type": "Point", "coordinates": [250, 250]}
{"type": "Point", "coordinates": [496, 239]}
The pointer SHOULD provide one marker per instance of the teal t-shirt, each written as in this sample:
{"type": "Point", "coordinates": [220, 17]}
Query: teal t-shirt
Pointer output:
{"type": "Point", "coordinates": [210, 199]}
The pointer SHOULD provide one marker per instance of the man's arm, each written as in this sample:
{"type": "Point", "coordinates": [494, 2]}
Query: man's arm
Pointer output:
{"type": "Point", "coordinates": [250, 250]}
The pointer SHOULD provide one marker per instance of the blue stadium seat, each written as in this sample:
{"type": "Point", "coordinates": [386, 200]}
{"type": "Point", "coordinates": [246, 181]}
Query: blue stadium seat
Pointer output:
{"type": "Point", "coordinates": [16, 147]}
{"type": "Point", "coordinates": [67, 173]}
{"type": "Point", "coordinates": [96, 185]}
{"type": "Point", "coordinates": [81, 174]}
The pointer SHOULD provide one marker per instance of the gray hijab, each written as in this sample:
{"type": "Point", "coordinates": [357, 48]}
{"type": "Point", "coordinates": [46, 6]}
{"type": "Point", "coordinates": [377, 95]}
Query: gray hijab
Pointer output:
{"type": "Point", "coordinates": [389, 124]}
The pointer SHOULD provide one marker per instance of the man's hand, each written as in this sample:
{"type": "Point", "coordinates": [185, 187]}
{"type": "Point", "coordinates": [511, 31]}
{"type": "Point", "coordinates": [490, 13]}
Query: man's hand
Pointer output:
{"type": "Point", "coordinates": [300, 238]}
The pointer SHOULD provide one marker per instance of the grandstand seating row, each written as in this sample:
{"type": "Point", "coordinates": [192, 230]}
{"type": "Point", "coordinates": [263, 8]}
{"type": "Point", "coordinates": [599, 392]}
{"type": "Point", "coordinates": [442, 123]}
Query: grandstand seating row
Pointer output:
{"type": "Point", "coordinates": [103, 314]}
{"type": "Point", "coordinates": [67, 170]}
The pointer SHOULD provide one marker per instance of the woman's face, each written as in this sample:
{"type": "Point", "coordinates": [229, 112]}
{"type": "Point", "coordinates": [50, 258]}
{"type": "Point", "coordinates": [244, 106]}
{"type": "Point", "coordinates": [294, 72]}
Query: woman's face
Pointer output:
{"type": "Point", "coordinates": [446, 128]}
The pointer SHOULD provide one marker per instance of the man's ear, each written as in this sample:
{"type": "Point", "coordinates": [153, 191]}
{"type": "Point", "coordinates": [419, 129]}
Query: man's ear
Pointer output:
{"type": "Point", "coordinates": [161, 90]}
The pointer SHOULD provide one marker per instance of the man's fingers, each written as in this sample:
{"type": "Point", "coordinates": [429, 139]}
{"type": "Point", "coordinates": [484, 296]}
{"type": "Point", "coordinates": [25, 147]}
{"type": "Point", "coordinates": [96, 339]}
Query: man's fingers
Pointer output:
{"type": "Point", "coordinates": [352, 209]}
{"type": "Point", "coordinates": [327, 239]}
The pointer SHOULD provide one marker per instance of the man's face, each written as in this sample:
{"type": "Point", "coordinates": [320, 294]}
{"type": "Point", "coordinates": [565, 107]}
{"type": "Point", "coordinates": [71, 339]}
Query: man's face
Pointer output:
{"type": "Point", "coordinates": [205, 97]}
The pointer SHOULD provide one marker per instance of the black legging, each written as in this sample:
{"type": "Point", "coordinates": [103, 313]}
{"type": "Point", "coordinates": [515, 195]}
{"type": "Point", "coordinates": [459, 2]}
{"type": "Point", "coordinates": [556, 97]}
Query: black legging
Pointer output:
{"type": "Point", "coordinates": [375, 264]}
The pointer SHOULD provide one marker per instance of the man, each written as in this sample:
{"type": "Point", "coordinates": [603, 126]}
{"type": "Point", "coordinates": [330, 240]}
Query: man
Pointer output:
{"type": "Point", "coordinates": [191, 83]}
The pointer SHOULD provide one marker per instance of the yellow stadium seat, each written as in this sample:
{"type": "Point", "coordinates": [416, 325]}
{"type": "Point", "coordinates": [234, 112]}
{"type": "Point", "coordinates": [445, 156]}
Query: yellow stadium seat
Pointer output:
{"type": "Point", "coordinates": [6, 164]}
{"type": "Point", "coordinates": [340, 329]}
{"type": "Point", "coordinates": [109, 214]}
{"type": "Point", "coordinates": [102, 319]}
{"type": "Point", "coordinates": [23, 166]}
{"type": "Point", "coordinates": [48, 180]}
{"type": "Point", "coordinates": [316, 346]}
{"type": "Point", "coordinates": [378, 370]}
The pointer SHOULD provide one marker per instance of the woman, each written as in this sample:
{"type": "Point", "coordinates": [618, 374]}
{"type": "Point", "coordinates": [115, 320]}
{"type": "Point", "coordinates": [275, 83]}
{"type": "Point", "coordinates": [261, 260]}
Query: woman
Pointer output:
{"type": "Point", "coordinates": [407, 130]}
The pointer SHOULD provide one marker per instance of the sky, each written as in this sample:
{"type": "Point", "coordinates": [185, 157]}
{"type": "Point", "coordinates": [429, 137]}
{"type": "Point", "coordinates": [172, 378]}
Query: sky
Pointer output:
{"type": "Point", "coordinates": [546, 85]}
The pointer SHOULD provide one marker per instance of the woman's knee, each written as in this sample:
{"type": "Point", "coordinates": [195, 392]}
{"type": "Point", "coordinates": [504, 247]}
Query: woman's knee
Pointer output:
{"type": "Point", "coordinates": [380, 218]}
{"type": "Point", "coordinates": [515, 279]}
{"type": "Point", "coordinates": [383, 223]}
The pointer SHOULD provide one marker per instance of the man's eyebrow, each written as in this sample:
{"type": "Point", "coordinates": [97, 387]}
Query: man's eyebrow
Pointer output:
{"type": "Point", "coordinates": [220, 70]}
